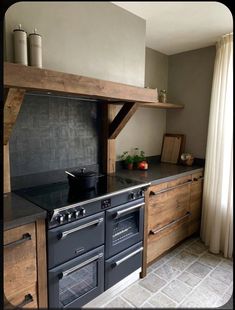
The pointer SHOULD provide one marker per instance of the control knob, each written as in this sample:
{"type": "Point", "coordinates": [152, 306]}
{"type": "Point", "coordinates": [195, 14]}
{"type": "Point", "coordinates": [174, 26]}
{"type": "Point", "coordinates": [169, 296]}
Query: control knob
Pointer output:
{"type": "Point", "coordinates": [83, 212]}
{"type": "Point", "coordinates": [69, 216]}
{"type": "Point", "coordinates": [61, 218]}
{"type": "Point", "coordinates": [141, 193]}
{"type": "Point", "coordinates": [76, 214]}
{"type": "Point", "coordinates": [132, 196]}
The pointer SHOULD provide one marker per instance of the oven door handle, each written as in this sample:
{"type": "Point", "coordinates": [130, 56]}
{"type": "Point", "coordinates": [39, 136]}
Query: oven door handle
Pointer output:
{"type": "Point", "coordinates": [73, 269]}
{"type": "Point", "coordinates": [122, 260]}
{"type": "Point", "coordinates": [122, 212]}
{"type": "Point", "coordinates": [68, 232]}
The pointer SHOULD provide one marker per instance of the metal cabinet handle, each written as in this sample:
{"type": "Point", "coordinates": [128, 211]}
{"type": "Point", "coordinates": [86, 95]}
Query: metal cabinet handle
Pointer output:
{"type": "Point", "coordinates": [117, 263]}
{"type": "Point", "coordinates": [199, 178]}
{"type": "Point", "coordinates": [88, 261]}
{"type": "Point", "coordinates": [122, 212]}
{"type": "Point", "coordinates": [156, 231]}
{"type": "Point", "coordinates": [68, 232]}
{"type": "Point", "coordinates": [24, 238]}
{"type": "Point", "coordinates": [152, 193]}
{"type": "Point", "coordinates": [27, 300]}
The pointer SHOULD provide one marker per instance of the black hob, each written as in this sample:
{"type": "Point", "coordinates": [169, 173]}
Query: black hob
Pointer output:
{"type": "Point", "coordinates": [58, 198]}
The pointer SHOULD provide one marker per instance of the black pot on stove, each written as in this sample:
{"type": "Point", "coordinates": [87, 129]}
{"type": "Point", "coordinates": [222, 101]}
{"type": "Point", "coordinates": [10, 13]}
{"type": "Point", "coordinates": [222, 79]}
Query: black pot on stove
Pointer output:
{"type": "Point", "coordinates": [82, 180]}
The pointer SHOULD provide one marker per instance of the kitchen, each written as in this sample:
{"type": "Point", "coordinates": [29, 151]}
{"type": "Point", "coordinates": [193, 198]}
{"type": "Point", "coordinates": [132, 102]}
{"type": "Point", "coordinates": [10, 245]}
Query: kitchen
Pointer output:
{"type": "Point", "coordinates": [63, 117]}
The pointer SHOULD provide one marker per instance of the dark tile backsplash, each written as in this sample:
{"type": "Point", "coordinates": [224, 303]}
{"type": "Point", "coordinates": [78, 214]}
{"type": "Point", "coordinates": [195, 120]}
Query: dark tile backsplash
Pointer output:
{"type": "Point", "coordinates": [54, 133]}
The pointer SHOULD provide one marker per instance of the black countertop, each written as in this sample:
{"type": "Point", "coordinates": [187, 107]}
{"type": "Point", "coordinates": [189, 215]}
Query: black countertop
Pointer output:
{"type": "Point", "coordinates": [159, 172]}
{"type": "Point", "coordinates": [18, 211]}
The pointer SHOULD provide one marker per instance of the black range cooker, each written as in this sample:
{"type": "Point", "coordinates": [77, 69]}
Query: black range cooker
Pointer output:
{"type": "Point", "coordinates": [94, 237]}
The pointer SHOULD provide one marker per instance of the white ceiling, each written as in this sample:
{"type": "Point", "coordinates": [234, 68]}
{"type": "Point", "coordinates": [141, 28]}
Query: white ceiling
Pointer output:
{"type": "Point", "coordinates": [174, 27]}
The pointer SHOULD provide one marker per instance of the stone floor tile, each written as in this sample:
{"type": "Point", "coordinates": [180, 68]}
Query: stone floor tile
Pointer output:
{"type": "Point", "coordinates": [177, 264]}
{"type": "Point", "coordinates": [189, 278]}
{"type": "Point", "coordinates": [136, 295]}
{"type": "Point", "coordinates": [200, 298]}
{"type": "Point", "coordinates": [186, 257]}
{"type": "Point", "coordinates": [199, 269]}
{"type": "Point", "coordinates": [222, 301]}
{"type": "Point", "coordinates": [158, 263]}
{"type": "Point", "coordinates": [214, 285]}
{"type": "Point", "coordinates": [210, 259]}
{"type": "Point", "coordinates": [222, 274]}
{"type": "Point", "coordinates": [196, 247]}
{"type": "Point", "coordinates": [176, 290]}
{"type": "Point", "coordinates": [167, 272]}
{"type": "Point", "coordinates": [227, 264]}
{"type": "Point", "coordinates": [118, 302]}
{"type": "Point", "coordinates": [160, 300]}
{"type": "Point", "coordinates": [146, 305]}
{"type": "Point", "coordinates": [230, 290]}
{"type": "Point", "coordinates": [152, 283]}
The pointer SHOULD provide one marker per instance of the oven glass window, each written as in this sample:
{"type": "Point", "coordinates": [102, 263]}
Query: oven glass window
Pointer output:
{"type": "Point", "coordinates": [78, 283]}
{"type": "Point", "coordinates": [125, 226]}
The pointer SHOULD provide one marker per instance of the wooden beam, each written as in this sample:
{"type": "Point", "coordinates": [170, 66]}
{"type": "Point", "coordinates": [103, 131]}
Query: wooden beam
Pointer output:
{"type": "Point", "coordinates": [121, 119]}
{"type": "Point", "coordinates": [14, 99]}
{"type": "Point", "coordinates": [6, 170]}
{"type": "Point", "coordinates": [32, 78]}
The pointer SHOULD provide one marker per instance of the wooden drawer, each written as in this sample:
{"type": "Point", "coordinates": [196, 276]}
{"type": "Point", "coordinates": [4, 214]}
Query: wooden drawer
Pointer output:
{"type": "Point", "coordinates": [167, 238]}
{"type": "Point", "coordinates": [26, 298]}
{"type": "Point", "coordinates": [168, 206]}
{"type": "Point", "coordinates": [182, 180]}
{"type": "Point", "coordinates": [19, 258]}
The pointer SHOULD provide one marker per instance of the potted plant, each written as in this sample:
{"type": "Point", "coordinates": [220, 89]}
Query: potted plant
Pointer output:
{"type": "Point", "coordinates": [127, 160]}
{"type": "Point", "coordinates": [139, 156]}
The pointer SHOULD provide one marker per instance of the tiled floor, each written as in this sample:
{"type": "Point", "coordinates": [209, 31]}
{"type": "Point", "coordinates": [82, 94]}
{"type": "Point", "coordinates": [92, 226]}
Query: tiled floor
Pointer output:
{"type": "Point", "coordinates": [187, 277]}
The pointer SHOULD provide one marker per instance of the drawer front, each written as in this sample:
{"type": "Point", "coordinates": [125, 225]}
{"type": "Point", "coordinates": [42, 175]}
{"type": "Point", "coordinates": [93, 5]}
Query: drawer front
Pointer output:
{"type": "Point", "coordinates": [70, 240]}
{"type": "Point", "coordinates": [19, 258]}
{"type": "Point", "coordinates": [167, 238]}
{"type": "Point", "coordinates": [168, 206]}
{"type": "Point", "coordinates": [26, 298]}
{"type": "Point", "coordinates": [122, 264]}
{"type": "Point", "coordinates": [179, 181]}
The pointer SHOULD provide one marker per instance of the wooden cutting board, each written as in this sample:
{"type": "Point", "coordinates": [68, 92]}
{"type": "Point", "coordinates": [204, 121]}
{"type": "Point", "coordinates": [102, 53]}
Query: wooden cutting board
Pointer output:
{"type": "Point", "coordinates": [172, 148]}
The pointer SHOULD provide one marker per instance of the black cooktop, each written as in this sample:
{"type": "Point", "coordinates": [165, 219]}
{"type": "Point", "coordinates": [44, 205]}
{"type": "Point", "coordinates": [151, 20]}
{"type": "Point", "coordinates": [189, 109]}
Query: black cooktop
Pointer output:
{"type": "Point", "coordinates": [58, 195]}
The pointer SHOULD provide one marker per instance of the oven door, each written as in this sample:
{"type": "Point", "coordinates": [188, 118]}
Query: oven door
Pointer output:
{"type": "Point", "coordinates": [73, 284]}
{"type": "Point", "coordinates": [124, 227]}
{"type": "Point", "coordinates": [71, 240]}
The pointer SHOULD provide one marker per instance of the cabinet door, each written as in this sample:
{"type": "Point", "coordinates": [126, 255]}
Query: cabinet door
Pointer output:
{"type": "Point", "coordinates": [19, 258]}
{"type": "Point", "coordinates": [168, 206]}
{"type": "Point", "coordinates": [166, 238]}
{"type": "Point", "coordinates": [24, 297]}
{"type": "Point", "coordinates": [196, 202]}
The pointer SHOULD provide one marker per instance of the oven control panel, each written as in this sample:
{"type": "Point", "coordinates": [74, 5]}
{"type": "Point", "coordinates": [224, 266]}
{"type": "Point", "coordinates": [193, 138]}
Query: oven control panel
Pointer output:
{"type": "Point", "coordinates": [76, 212]}
{"type": "Point", "coordinates": [106, 203]}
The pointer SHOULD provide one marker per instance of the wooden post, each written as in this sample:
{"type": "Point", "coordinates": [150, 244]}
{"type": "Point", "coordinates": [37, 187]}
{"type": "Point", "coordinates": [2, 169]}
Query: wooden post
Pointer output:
{"type": "Point", "coordinates": [41, 263]}
{"type": "Point", "coordinates": [109, 149]}
{"type": "Point", "coordinates": [143, 272]}
{"type": "Point", "coordinates": [6, 169]}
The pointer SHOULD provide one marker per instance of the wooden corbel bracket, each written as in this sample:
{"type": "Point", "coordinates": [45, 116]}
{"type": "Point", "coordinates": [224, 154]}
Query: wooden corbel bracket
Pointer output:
{"type": "Point", "coordinates": [13, 100]}
{"type": "Point", "coordinates": [121, 119]}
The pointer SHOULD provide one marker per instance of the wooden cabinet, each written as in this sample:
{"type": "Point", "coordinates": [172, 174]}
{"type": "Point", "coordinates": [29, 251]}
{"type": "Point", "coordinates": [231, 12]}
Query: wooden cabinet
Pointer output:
{"type": "Point", "coordinates": [24, 251]}
{"type": "Point", "coordinates": [173, 212]}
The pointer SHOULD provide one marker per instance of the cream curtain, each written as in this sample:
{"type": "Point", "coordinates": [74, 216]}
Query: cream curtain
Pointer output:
{"type": "Point", "coordinates": [217, 204]}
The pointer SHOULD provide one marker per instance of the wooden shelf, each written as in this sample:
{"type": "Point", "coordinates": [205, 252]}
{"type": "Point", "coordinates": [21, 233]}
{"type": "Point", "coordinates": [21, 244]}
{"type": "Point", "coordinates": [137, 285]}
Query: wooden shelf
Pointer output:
{"type": "Point", "coordinates": [160, 105]}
